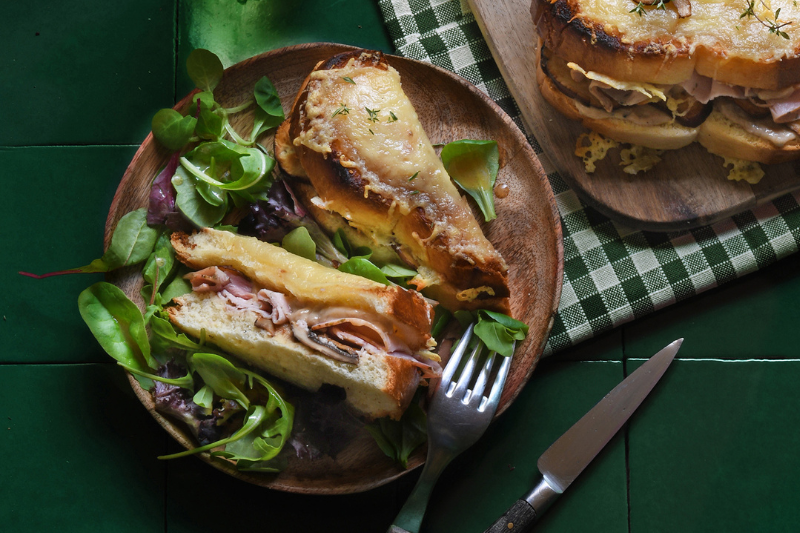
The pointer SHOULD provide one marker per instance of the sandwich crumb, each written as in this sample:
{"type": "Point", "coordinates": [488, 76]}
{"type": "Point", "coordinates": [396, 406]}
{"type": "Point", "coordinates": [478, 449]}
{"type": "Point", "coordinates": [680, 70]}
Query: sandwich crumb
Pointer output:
{"type": "Point", "coordinates": [596, 150]}
{"type": "Point", "coordinates": [749, 171]}
{"type": "Point", "coordinates": [639, 158]}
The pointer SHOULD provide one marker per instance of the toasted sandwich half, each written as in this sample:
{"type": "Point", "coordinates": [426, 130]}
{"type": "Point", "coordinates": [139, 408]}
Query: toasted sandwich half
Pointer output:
{"type": "Point", "coordinates": [356, 147]}
{"type": "Point", "coordinates": [306, 323]}
{"type": "Point", "coordinates": [665, 74]}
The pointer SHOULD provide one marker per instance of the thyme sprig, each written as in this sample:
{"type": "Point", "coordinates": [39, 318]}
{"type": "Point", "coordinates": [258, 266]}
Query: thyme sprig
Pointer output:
{"type": "Point", "coordinates": [639, 9]}
{"type": "Point", "coordinates": [774, 26]}
{"type": "Point", "coordinates": [341, 110]}
{"type": "Point", "coordinates": [373, 114]}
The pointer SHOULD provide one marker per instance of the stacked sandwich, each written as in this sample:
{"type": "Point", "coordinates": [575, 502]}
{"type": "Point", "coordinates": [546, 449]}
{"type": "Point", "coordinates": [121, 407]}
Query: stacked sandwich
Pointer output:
{"type": "Point", "coordinates": [662, 74]}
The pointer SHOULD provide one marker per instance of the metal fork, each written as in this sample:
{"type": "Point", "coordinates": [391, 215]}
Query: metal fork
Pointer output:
{"type": "Point", "coordinates": [457, 417]}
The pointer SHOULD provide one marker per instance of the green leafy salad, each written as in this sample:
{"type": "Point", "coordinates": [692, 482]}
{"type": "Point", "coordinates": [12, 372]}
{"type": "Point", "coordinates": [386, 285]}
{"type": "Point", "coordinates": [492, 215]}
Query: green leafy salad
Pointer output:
{"type": "Point", "coordinates": [218, 177]}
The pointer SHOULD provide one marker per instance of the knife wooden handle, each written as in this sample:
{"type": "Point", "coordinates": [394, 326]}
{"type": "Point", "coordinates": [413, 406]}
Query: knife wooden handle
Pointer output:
{"type": "Point", "coordinates": [518, 518]}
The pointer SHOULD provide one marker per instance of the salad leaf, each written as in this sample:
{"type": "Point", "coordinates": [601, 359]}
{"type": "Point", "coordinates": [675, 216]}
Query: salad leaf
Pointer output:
{"type": "Point", "coordinates": [221, 151]}
{"type": "Point", "coordinates": [398, 272]}
{"type": "Point", "coordinates": [204, 397]}
{"type": "Point", "coordinates": [498, 332]}
{"type": "Point", "coordinates": [177, 287]}
{"type": "Point", "coordinates": [117, 324]}
{"type": "Point", "coordinates": [161, 201]}
{"type": "Point", "coordinates": [252, 420]}
{"type": "Point", "coordinates": [209, 124]}
{"type": "Point", "coordinates": [206, 100]}
{"type": "Point", "coordinates": [399, 438]}
{"type": "Point", "coordinates": [268, 100]}
{"type": "Point", "coordinates": [185, 382]}
{"type": "Point", "coordinates": [360, 266]}
{"type": "Point", "coordinates": [342, 244]}
{"type": "Point", "coordinates": [192, 204]}
{"type": "Point", "coordinates": [172, 129]}
{"type": "Point", "coordinates": [473, 165]}
{"type": "Point", "coordinates": [204, 68]}
{"type": "Point", "coordinates": [299, 242]}
{"type": "Point", "coordinates": [269, 112]}
{"type": "Point", "coordinates": [226, 380]}
{"type": "Point", "coordinates": [132, 241]}
{"type": "Point", "coordinates": [161, 262]}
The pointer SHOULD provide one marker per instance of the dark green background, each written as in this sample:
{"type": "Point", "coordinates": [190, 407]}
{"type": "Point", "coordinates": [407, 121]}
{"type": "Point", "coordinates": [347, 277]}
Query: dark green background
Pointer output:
{"type": "Point", "coordinates": [715, 448]}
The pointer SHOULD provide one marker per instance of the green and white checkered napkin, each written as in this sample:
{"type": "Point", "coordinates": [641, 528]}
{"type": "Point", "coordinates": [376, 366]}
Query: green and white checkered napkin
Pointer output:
{"type": "Point", "coordinates": [612, 274]}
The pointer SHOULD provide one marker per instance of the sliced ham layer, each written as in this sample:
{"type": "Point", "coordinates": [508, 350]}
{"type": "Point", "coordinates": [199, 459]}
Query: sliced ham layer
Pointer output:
{"type": "Point", "coordinates": [339, 333]}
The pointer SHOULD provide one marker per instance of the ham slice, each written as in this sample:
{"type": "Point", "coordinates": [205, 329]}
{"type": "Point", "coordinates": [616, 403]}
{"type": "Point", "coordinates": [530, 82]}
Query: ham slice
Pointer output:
{"type": "Point", "coordinates": [335, 332]}
{"type": "Point", "coordinates": [785, 109]}
{"type": "Point", "coordinates": [705, 89]}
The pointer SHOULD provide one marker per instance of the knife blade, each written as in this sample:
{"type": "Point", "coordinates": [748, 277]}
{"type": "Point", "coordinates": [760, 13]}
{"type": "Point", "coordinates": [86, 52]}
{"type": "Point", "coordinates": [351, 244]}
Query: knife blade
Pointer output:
{"type": "Point", "coordinates": [566, 458]}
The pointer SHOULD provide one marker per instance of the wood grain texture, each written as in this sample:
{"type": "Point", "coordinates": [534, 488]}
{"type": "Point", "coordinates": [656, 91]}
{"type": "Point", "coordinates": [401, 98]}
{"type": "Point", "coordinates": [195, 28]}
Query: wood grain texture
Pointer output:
{"type": "Point", "coordinates": [527, 233]}
{"type": "Point", "coordinates": [689, 188]}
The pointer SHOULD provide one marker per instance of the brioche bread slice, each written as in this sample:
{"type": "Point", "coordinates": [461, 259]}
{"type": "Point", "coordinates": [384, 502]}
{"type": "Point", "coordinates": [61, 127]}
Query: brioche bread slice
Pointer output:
{"type": "Point", "coordinates": [377, 386]}
{"type": "Point", "coordinates": [366, 155]}
{"type": "Point", "coordinates": [610, 37]}
{"type": "Point", "coordinates": [720, 136]}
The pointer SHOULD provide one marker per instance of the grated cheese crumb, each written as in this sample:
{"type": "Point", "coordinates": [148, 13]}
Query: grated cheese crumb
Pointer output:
{"type": "Point", "coordinates": [596, 150]}
{"type": "Point", "coordinates": [749, 171]}
{"type": "Point", "coordinates": [639, 158]}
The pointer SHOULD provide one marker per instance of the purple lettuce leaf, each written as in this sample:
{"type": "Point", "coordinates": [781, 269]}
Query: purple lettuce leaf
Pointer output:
{"type": "Point", "coordinates": [162, 194]}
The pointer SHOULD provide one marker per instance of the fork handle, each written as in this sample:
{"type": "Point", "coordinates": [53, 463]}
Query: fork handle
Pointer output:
{"type": "Point", "coordinates": [409, 519]}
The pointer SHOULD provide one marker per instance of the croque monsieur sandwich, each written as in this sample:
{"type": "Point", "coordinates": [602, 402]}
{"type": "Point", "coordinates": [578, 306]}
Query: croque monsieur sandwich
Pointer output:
{"type": "Point", "coordinates": [361, 162]}
{"type": "Point", "coordinates": [663, 74]}
{"type": "Point", "coordinates": [306, 323]}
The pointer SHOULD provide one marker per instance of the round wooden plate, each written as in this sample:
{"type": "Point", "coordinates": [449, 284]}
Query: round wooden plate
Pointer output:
{"type": "Point", "coordinates": [527, 233]}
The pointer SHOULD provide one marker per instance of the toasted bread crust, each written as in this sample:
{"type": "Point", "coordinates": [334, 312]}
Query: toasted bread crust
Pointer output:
{"type": "Point", "coordinates": [461, 265]}
{"type": "Point", "coordinates": [668, 59]}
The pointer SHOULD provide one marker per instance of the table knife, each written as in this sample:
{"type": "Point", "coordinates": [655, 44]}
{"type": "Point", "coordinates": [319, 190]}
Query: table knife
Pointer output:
{"type": "Point", "coordinates": [566, 458]}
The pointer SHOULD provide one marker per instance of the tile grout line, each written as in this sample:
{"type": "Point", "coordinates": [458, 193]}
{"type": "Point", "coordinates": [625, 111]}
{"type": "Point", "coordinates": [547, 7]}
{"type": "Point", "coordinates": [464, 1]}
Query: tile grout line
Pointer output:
{"type": "Point", "coordinates": [86, 145]}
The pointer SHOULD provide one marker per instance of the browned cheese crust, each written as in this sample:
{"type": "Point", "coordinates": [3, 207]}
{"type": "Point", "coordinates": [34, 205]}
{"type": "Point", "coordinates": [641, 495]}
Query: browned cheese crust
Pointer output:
{"type": "Point", "coordinates": [668, 54]}
{"type": "Point", "coordinates": [432, 228]}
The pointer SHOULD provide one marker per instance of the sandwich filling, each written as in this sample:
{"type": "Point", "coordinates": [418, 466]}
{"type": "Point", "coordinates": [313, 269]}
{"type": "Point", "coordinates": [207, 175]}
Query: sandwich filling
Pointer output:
{"type": "Point", "coordinates": [337, 332]}
{"type": "Point", "coordinates": [772, 115]}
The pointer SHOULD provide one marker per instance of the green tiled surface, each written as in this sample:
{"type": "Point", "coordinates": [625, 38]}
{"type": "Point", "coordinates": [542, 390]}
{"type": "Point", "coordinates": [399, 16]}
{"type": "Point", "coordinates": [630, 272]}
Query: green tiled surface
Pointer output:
{"type": "Point", "coordinates": [716, 449]}
{"type": "Point", "coordinates": [84, 71]}
{"type": "Point", "coordinates": [78, 452]}
{"type": "Point", "coordinates": [81, 452]}
{"type": "Point", "coordinates": [58, 199]}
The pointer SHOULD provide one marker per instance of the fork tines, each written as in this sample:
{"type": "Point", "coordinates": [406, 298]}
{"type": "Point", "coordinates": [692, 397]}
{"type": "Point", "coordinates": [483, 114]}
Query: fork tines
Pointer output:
{"type": "Point", "coordinates": [461, 389]}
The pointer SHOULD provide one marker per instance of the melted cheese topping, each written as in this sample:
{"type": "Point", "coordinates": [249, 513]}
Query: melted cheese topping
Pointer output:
{"type": "Point", "coordinates": [713, 24]}
{"type": "Point", "coordinates": [646, 89]}
{"type": "Point", "coordinates": [376, 131]}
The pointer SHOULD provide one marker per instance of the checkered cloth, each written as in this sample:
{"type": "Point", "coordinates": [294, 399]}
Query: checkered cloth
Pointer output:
{"type": "Point", "coordinates": [612, 274]}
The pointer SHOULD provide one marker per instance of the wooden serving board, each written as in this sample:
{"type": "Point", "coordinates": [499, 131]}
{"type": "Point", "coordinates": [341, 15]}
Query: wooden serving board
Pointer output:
{"type": "Point", "coordinates": [689, 188]}
{"type": "Point", "coordinates": [527, 233]}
